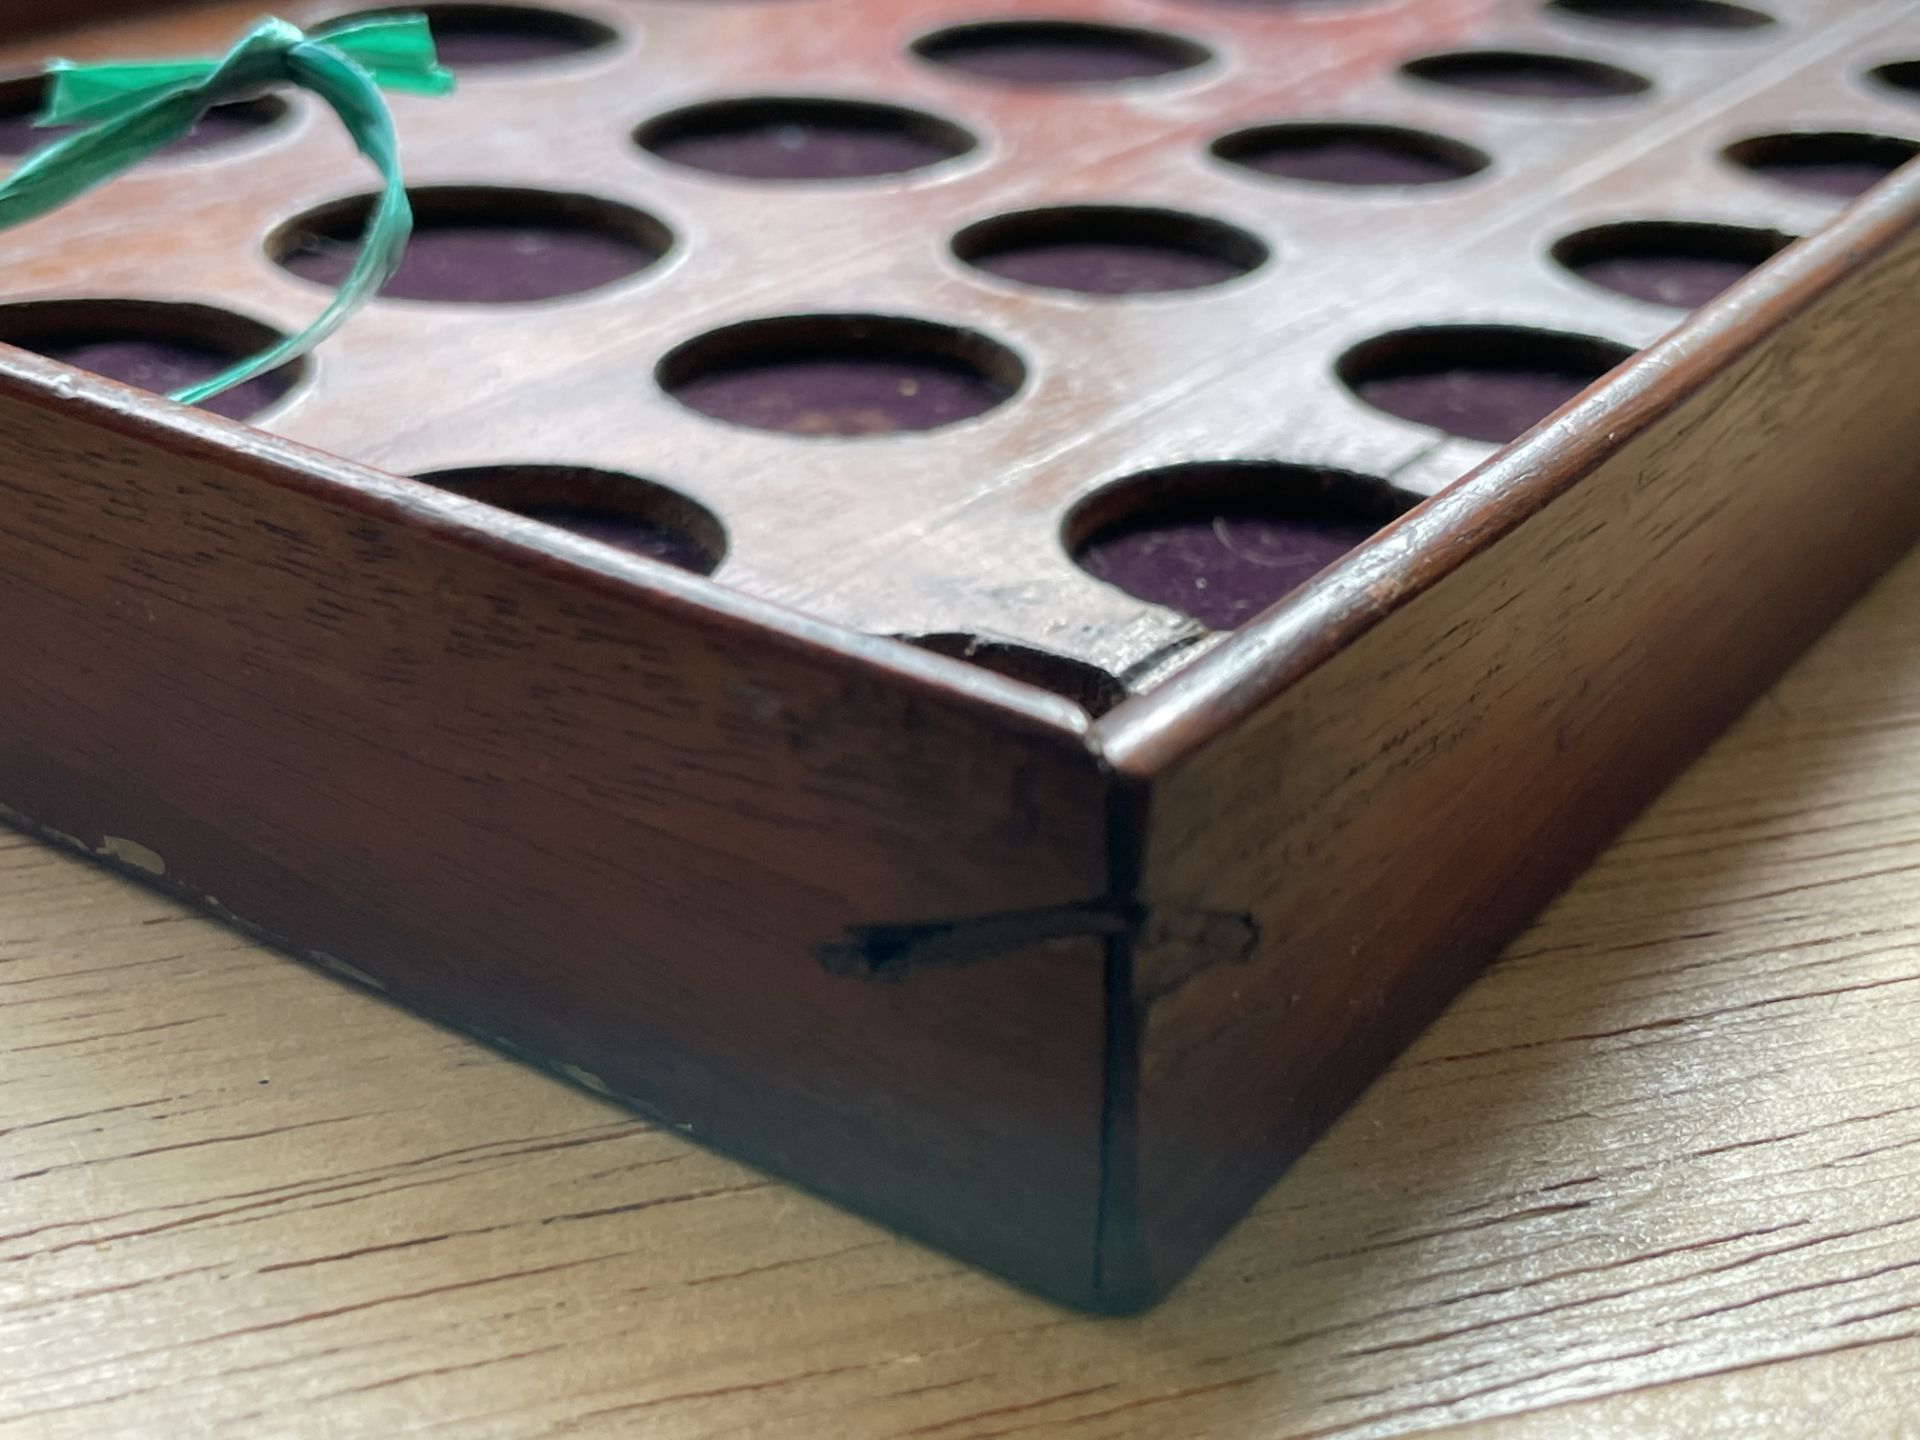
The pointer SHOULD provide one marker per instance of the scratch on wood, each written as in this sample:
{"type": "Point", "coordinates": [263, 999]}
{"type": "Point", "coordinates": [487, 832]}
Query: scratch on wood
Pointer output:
{"type": "Point", "coordinates": [1200, 938]}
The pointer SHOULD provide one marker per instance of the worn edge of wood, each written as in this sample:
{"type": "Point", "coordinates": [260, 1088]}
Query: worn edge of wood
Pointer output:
{"type": "Point", "coordinates": [1147, 734]}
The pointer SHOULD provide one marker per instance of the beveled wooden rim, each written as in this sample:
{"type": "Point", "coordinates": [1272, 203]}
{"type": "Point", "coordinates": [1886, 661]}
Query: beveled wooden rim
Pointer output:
{"type": "Point", "coordinates": [1151, 732]}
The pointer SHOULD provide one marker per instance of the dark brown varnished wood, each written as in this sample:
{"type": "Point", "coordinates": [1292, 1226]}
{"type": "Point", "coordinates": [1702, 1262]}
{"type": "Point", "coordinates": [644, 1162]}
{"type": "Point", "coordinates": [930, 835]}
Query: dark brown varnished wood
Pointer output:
{"type": "Point", "coordinates": [1060, 995]}
{"type": "Point", "coordinates": [476, 771]}
{"type": "Point", "coordinates": [1448, 727]}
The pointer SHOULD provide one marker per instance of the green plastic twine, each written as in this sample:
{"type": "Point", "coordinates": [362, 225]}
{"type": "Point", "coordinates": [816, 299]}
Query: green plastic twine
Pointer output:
{"type": "Point", "coordinates": [131, 110]}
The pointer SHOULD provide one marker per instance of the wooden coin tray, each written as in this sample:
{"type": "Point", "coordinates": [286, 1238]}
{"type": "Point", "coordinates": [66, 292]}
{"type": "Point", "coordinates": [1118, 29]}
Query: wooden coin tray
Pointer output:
{"type": "Point", "coordinates": [990, 626]}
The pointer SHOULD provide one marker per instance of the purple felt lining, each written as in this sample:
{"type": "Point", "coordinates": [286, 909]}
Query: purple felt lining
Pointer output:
{"type": "Point", "coordinates": [221, 125]}
{"type": "Point", "coordinates": [1533, 77]}
{"type": "Point", "coordinates": [1837, 163]}
{"type": "Point", "coordinates": [1054, 53]}
{"type": "Point", "coordinates": [1841, 178]}
{"type": "Point", "coordinates": [1222, 541]}
{"type": "Point", "coordinates": [1340, 155]}
{"type": "Point", "coordinates": [1681, 264]}
{"type": "Point", "coordinates": [1682, 281]}
{"type": "Point", "coordinates": [483, 263]}
{"type": "Point", "coordinates": [1220, 568]}
{"type": "Point", "coordinates": [1095, 267]}
{"type": "Point", "coordinates": [832, 394]}
{"type": "Point", "coordinates": [805, 148]}
{"type": "Point", "coordinates": [163, 365]}
{"type": "Point", "coordinates": [1668, 14]}
{"type": "Point", "coordinates": [1491, 404]}
{"type": "Point", "coordinates": [1490, 383]}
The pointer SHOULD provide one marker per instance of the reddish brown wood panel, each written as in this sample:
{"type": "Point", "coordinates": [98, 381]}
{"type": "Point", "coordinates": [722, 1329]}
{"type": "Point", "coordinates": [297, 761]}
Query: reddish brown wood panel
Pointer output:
{"type": "Point", "coordinates": [959, 530]}
{"type": "Point", "coordinates": [610, 817]}
{"type": "Point", "coordinates": [1673, 1136]}
{"type": "Point", "coordinates": [1458, 719]}
{"type": "Point", "coordinates": [601, 822]}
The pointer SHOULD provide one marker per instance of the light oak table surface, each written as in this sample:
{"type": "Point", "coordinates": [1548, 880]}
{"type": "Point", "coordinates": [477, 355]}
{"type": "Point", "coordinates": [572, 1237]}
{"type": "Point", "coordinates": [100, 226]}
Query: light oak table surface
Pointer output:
{"type": "Point", "coordinates": [1657, 1174]}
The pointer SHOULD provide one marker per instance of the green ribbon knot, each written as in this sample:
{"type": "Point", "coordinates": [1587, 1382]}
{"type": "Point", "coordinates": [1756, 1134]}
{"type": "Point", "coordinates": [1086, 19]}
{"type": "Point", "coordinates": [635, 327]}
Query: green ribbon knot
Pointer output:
{"type": "Point", "coordinates": [132, 109]}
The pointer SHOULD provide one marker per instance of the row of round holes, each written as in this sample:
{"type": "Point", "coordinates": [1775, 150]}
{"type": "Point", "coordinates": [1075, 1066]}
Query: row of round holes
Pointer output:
{"type": "Point", "coordinates": [791, 138]}
{"type": "Point", "coordinates": [569, 245]}
{"type": "Point", "coordinates": [983, 50]}
{"type": "Point", "coordinates": [491, 35]}
{"type": "Point", "coordinates": [586, 244]}
{"type": "Point", "coordinates": [872, 373]}
{"type": "Point", "coordinates": [1204, 516]}
{"type": "Point", "coordinates": [1028, 51]}
{"type": "Point", "coordinates": [800, 139]}
{"type": "Point", "coordinates": [1109, 560]}
{"type": "Point", "coordinates": [485, 34]}
{"type": "Point", "coordinates": [849, 365]}
{"type": "Point", "coordinates": [869, 140]}
{"type": "Point", "coordinates": [501, 246]}
{"type": "Point", "coordinates": [1217, 541]}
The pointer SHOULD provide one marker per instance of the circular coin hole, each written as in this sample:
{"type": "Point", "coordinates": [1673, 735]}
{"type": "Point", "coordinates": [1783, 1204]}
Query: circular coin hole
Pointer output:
{"type": "Point", "coordinates": [841, 375]}
{"type": "Point", "coordinates": [1902, 75]}
{"type": "Point", "coordinates": [1668, 262]}
{"type": "Point", "coordinates": [1491, 383]}
{"type": "Point", "coordinates": [1521, 75]}
{"type": "Point", "coordinates": [1088, 686]}
{"type": "Point", "coordinates": [21, 101]}
{"type": "Point", "coordinates": [1666, 14]}
{"type": "Point", "coordinates": [484, 246]}
{"type": "Point", "coordinates": [1838, 163]}
{"type": "Point", "coordinates": [1059, 52]}
{"type": "Point", "coordinates": [1339, 153]}
{"type": "Point", "coordinates": [1220, 542]}
{"type": "Point", "coordinates": [774, 138]}
{"type": "Point", "coordinates": [629, 513]}
{"type": "Point", "coordinates": [155, 346]}
{"type": "Point", "coordinates": [1109, 249]}
{"type": "Point", "coordinates": [478, 37]}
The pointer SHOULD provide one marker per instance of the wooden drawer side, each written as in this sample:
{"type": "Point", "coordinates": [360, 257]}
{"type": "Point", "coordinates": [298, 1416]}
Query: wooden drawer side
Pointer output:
{"type": "Point", "coordinates": [606, 828]}
{"type": "Point", "coordinates": [1400, 811]}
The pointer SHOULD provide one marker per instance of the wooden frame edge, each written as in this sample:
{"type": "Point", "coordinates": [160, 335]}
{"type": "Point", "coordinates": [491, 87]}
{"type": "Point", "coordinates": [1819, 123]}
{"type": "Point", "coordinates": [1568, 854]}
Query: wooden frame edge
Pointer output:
{"type": "Point", "coordinates": [1149, 733]}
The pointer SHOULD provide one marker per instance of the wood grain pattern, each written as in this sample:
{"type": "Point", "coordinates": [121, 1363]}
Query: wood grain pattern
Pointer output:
{"type": "Point", "coordinates": [1654, 1176]}
{"type": "Point", "coordinates": [959, 530]}
{"type": "Point", "coordinates": [616, 819]}
{"type": "Point", "coordinates": [1497, 721]}
{"type": "Point", "coordinates": [584, 878]}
